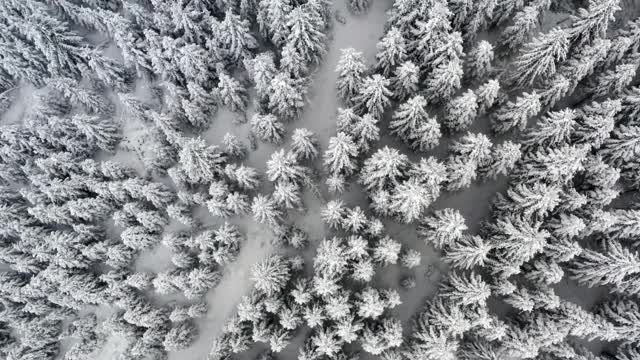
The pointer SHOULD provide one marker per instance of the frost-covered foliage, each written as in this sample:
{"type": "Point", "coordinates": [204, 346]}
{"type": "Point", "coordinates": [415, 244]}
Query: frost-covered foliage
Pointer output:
{"type": "Point", "coordinates": [537, 99]}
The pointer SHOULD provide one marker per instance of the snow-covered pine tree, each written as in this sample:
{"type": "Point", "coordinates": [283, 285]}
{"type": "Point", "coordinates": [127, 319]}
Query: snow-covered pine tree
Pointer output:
{"type": "Point", "coordinates": [461, 111]}
{"type": "Point", "coordinates": [444, 81]}
{"type": "Point", "coordinates": [478, 61]}
{"type": "Point", "coordinates": [267, 128]}
{"type": "Point", "coordinates": [503, 159]}
{"type": "Point", "coordinates": [304, 144]}
{"type": "Point", "coordinates": [538, 59]}
{"type": "Point", "coordinates": [351, 71]}
{"type": "Point", "coordinates": [404, 83]}
{"type": "Point", "coordinates": [373, 96]}
{"type": "Point", "coordinates": [592, 22]}
{"type": "Point", "coordinates": [487, 95]}
{"type": "Point", "coordinates": [232, 94]}
{"type": "Point", "coordinates": [392, 51]}
{"type": "Point", "coordinates": [287, 96]}
{"type": "Point", "coordinates": [306, 34]}
{"type": "Point", "coordinates": [232, 40]}
{"type": "Point", "coordinates": [341, 155]}
{"type": "Point", "coordinates": [271, 275]}
{"type": "Point", "coordinates": [516, 114]}
{"type": "Point", "coordinates": [442, 228]}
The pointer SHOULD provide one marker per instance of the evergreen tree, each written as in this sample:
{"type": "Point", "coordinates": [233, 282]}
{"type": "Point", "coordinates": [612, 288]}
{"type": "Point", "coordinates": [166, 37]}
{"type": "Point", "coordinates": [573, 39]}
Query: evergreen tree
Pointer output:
{"type": "Point", "coordinates": [287, 96]}
{"type": "Point", "coordinates": [516, 34]}
{"type": "Point", "coordinates": [592, 22]}
{"type": "Point", "coordinates": [487, 95]}
{"type": "Point", "coordinates": [180, 336]}
{"type": "Point", "coordinates": [609, 267]}
{"type": "Point", "coordinates": [595, 122]}
{"type": "Point", "coordinates": [553, 130]}
{"type": "Point", "coordinates": [467, 252]}
{"type": "Point", "coordinates": [391, 51]}
{"type": "Point", "coordinates": [404, 83]}
{"type": "Point", "coordinates": [442, 228]}
{"type": "Point", "coordinates": [232, 38]}
{"type": "Point", "coordinates": [383, 169]}
{"type": "Point", "coordinates": [200, 162]}
{"type": "Point", "coordinates": [366, 132]}
{"type": "Point", "coordinates": [333, 213]}
{"type": "Point", "coordinates": [232, 94]}
{"type": "Point", "coordinates": [613, 82]}
{"type": "Point", "coordinates": [340, 156]}
{"type": "Point", "coordinates": [444, 81]}
{"type": "Point", "coordinates": [261, 70]}
{"type": "Point", "coordinates": [270, 275]}
{"type": "Point", "coordinates": [517, 114]}
{"type": "Point", "coordinates": [305, 33]}
{"type": "Point", "coordinates": [266, 211]}
{"type": "Point", "coordinates": [479, 60]}
{"type": "Point", "coordinates": [373, 97]}
{"type": "Point", "coordinates": [461, 111]}
{"type": "Point", "coordinates": [304, 144]}
{"type": "Point", "coordinates": [479, 17]}
{"type": "Point", "coordinates": [387, 251]}
{"type": "Point", "coordinates": [410, 199]}
{"type": "Point", "coordinates": [538, 59]}
{"type": "Point", "coordinates": [267, 128]}
{"type": "Point", "coordinates": [465, 290]}
{"type": "Point", "coordinates": [414, 126]}
{"type": "Point", "coordinates": [503, 159]}
{"type": "Point", "coordinates": [584, 61]}
{"type": "Point", "coordinates": [283, 167]}
{"type": "Point", "coordinates": [351, 69]}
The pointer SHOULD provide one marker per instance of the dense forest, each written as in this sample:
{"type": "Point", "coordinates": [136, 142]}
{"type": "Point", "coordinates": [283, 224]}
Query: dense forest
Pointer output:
{"type": "Point", "coordinates": [155, 170]}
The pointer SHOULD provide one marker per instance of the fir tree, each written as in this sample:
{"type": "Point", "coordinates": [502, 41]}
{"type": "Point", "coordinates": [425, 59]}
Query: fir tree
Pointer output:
{"type": "Point", "coordinates": [461, 111]}
{"type": "Point", "coordinates": [443, 228]}
{"type": "Point", "coordinates": [466, 290]}
{"type": "Point", "coordinates": [232, 94]}
{"type": "Point", "coordinates": [593, 22]}
{"type": "Point", "coordinates": [539, 58]}
{"type": "Point", "coordinates": [467, 252]}
{"type": "Point", "coordinates": [283, 166]}
{"type": "Point", "coordinates": [444, 81]}
{"type": "Point", "coordinates": [340, 156]}
{"type": "Point", "coordinates": [391, 51]}
{"type": "Point", "coordinates": [487, 95]}
{"type": "Point", "coordinates": [233, 39]}
{"type": "Point", "coordinates": [595, 122]}
{"type": "Point", "coordinates": [304, 144]}
{"type": "Point", "coordinates": [270, 275]}
{"type": "Point", "coordinates": [287, 96]}
{"type": "Point", "coordinates": [200, 162]}
{"type": "Point", "coordinates": [373, 96]}
{"type": "Point", "coordinates": [404, 83]}
{"type": "Point", "coordinates": [267, 128]}
{"type": "Point", "coordinates": [351, 69]}
{"type": "Point", "coordinates": [383, 169]}
{"type": "Point", "coordinates": [503, 159]}
{"type": "Point", "coordinates": [609, 267]}
{"type": "Point", "coordinates": [554, 129]}
{"type": "Point", "coordinates": [517, 114]}
{"type": "Point", "coordinates": [305, 33]}
{"type": "Point", "coordinates": [266, 211]}
{"type": "Point", "coordinates": [479, 60]}
{"type": "Point", "coordinates": [261, 70]}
